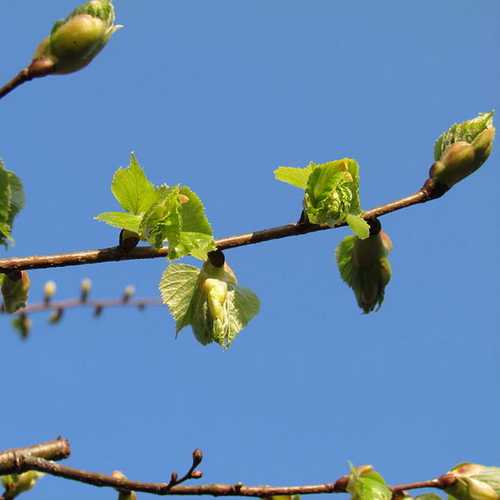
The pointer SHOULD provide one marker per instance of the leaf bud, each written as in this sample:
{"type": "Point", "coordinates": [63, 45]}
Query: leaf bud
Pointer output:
{"type": "Point", "coordinates": [98, 310]}
{"type": "Point", "coordinates": [49, 290]}
{"type": "Point", "coordinates": [15, 484]}
{"type": "Point", "coordinates": [216, 291]}
{"type": "Point", "coordinates": [196, 474]}
{"type": "Point", "coordinates": [56, 316]}
{"type": "Point", "coordinates": [123, 494]}
{"type": "Point", "coordinates": [85, 287]}
{"type": "Point", "coordinates": [22, 324]}
{"type": "Point", "coordinates": [197, 457]}
{"type": "Point", "coordinates": [474, 482]}
{"type": "Point", "coordinates": [15, 291]}
{"type": "Point", "coordinates": [128, 240]}
{"type": "Point", "coordinates": [462, 149]}
{"type": "Point", "coordinates": [364, 266]}
{"type": "Point", "coordinates": [76, 40]}
{"type": "Point", "coordinates": [128, 293]}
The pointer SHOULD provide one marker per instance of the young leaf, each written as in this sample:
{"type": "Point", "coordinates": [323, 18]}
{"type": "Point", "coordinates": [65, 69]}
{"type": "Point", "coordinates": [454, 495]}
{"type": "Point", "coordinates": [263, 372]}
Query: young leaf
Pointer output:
{"type": "Point", "coordinates": [209, 300]}
{"type": "Point", "coordinates": [179, 217]}
{"type": "Point", "coordinates": [461, 150]}
{"type": "Point", "coordinates": [15, 292]}
{"type": "Point", "coordinates": [11, 201]}
{"type": "Point", "coordinates": [364, 266]}
{"type": "Point", "coordinates": [466, 131]}
{"type": "Point", "coordinates": [296, 176]}
{"type": "Point", "coordinates": [358, 225]}
{"type": "Point", "coordinates": [121, 220]}
{"type": "Point", "coordinates": [132, 189]}
{"type": "Point", "coordinates": [15, 484]}
{"type": "Point", "coordinates": [367, 484]}
{"type": "Point", "coordinates": [177, 287]}
{"type": "Point", "coordinates": [332, 192]}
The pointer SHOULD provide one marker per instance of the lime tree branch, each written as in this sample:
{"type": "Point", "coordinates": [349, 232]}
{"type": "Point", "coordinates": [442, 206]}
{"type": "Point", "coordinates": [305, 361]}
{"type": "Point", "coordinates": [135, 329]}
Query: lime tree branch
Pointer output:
{"type": "Point", "coordinates": [62, 305]}
{"type": "Point", "coordinates": [22, 461]}
{"type": "Point", "coordinates": [115, 254]}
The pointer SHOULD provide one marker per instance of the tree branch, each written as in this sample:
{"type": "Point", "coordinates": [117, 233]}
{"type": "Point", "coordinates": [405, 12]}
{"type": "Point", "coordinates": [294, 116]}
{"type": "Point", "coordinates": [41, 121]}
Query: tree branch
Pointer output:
{"type": "Point", "coordinates": [117, 254]}
{"type": "Point", "coordinates": [19, 461]}
{"type": "Point", "coordinates": [62, 305]}
{"type": "Point", "coordinates": [56, 449]}
{"type": "Point", "coordinates": [22, 77]}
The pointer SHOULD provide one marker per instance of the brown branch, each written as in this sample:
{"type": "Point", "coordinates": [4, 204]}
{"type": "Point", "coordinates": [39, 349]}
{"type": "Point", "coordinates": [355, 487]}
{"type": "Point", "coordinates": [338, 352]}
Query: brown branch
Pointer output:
{"type": "Point", "coordinates": [62, 305]}
{"type": "Point", "coordinates": [22, 77]}
{"type": "Point", "coordinates": [117, 254]}
{"type": "Point", "coordinates": [56, 449]}
{"type": "Point", "coordinates": [23, 462]}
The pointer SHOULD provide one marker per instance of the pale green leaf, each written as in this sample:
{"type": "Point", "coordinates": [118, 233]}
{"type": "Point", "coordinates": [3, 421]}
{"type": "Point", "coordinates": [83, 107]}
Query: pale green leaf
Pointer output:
{"type": "Point", "coordinates": [332, 192]}
{"type": "Point", "coordinates": [465, 131]}
{"type": "Point", "coordinates": [121, 220]}
{"type": "Point", "coordinates": [296, 176]}
{"type": "Point", "coordinates": [177, 287]}
{"type": "Point", "coordinates": [183, 290]}
{"type": "Point", "coordinates": [11, 202]}
{"type": "Point", "coordinates": [132, 189]}
{"type": "Point", "coordinates": [367, 484]}
{"type": "Point", "coordinates": [179, 217]}
{"type": "Point", "coordinates": [358, 225]}
{"type": "Point", "coordinates": [428, 496]}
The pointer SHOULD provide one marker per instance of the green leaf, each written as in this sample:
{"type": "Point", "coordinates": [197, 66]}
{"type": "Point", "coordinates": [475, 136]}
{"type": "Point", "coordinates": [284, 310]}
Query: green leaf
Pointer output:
{"type": "Point", "coordinates": [465, 131]}
{"type": "Point", "coordinates": [11, 202]}
{"type": "Point", "coordinates": [196, 237]}
{"type": "Point", "coordinates": [428, 496]}
{"type": "Point", "coordinates": [15, 484]}
{"type": "Point", "coordinates": [15, 292]}
{"type": "Point", "coordinates": [358, 225]}
{"type": "Point", "coordinates": [366, 484]}
{"type": "Point", "coordinates": [209, 300]}
{"type": "Point", "coordinates": [296, 176]}
{"type": "Point", "coordinates": [177, 288]}
{"type": "Point", "coordinates": [121, 220]}
{"type": "Point", "coordinates": [332, 192]}
{"type": "Point", "coordinates": [364, 266]}
{"type": "Point", "coordinates": [132, 189]}
{"type": "Point", "coordinates": [179, 217]}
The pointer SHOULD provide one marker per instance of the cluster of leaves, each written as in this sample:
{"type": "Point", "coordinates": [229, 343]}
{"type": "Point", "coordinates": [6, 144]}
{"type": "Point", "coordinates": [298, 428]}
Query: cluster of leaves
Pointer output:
{"type": "Point", "coordinates": [209, 298]}
{"type": "Point", "coordinates": [331, 197]}
{"type": "Point", "coordinates": [160, 213]}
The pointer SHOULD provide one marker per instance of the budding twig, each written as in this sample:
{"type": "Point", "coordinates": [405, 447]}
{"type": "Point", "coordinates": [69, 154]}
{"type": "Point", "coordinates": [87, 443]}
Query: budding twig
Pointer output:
{"type": "Point", "coordinates": [117, 254]}
{"type": "Point", "coordinates": [22, 460]}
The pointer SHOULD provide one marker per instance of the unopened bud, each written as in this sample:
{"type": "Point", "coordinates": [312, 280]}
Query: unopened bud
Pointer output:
{"type": "Point", "coordinates": [462, 149]}
{"type": "Point", "coordinates": [22, 324]}
{"type": "Point", "coordinates": [128, 293]}
{"type": "Point", "coordinates": [216, 291]}
{"type": "Point", "coordinates": [183, 199]}
{"type": "Point", "coordinates": [197, 457]}
{"type": "Point", "coordinates": [98, 310]}
{"type": "Point", "coordinates": [122, 494]}
{"type": "Point", "coordinates": [49, 290]}
{"type": "Point", "coordinates": [196, 474]}
{"type": "Point", "coordinates": [15, 291]}
{"type": "Point", "coordinates": [75, 41]}
{"type": "Point", "coordinates": [474, 482]}
{"type": "Point", "coordinates": [85, 287]}
{"type": "Point", "coordinates": [56, 316]}
{"type": "Point", "coordinates": [173, 477]}
{"type": "Point", "coordinates": [16, 484]}
{"type": "Point", "coordinates": [128, 240]}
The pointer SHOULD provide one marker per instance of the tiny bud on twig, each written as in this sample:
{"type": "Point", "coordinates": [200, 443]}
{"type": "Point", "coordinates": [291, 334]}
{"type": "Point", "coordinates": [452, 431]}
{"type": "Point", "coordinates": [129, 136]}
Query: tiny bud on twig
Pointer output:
{"type": "Point", "coordinates": [128, 293]}
{"type": "Point", "coordinates": [49, 290]}
{"type": "Point", "coordinates": [85, 288]}
{"type": "Point", "coordinates": [197, 457]}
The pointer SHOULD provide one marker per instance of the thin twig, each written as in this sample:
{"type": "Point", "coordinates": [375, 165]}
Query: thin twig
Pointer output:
{"type": "Point", "coordinates": [74, 303]}
{"type": "Point", "coordinates": [22, 77]}
{"type": "Point", "coordinates": [26, 463]}
{"type": "Point", "coordinates": [117, 254]}
{"type": "Point", "coordinates": [38, 458]}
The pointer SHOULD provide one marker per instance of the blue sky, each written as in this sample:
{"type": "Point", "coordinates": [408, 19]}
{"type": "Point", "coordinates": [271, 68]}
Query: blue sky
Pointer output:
{"type": "Point", "coordinates": [216, 95]}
